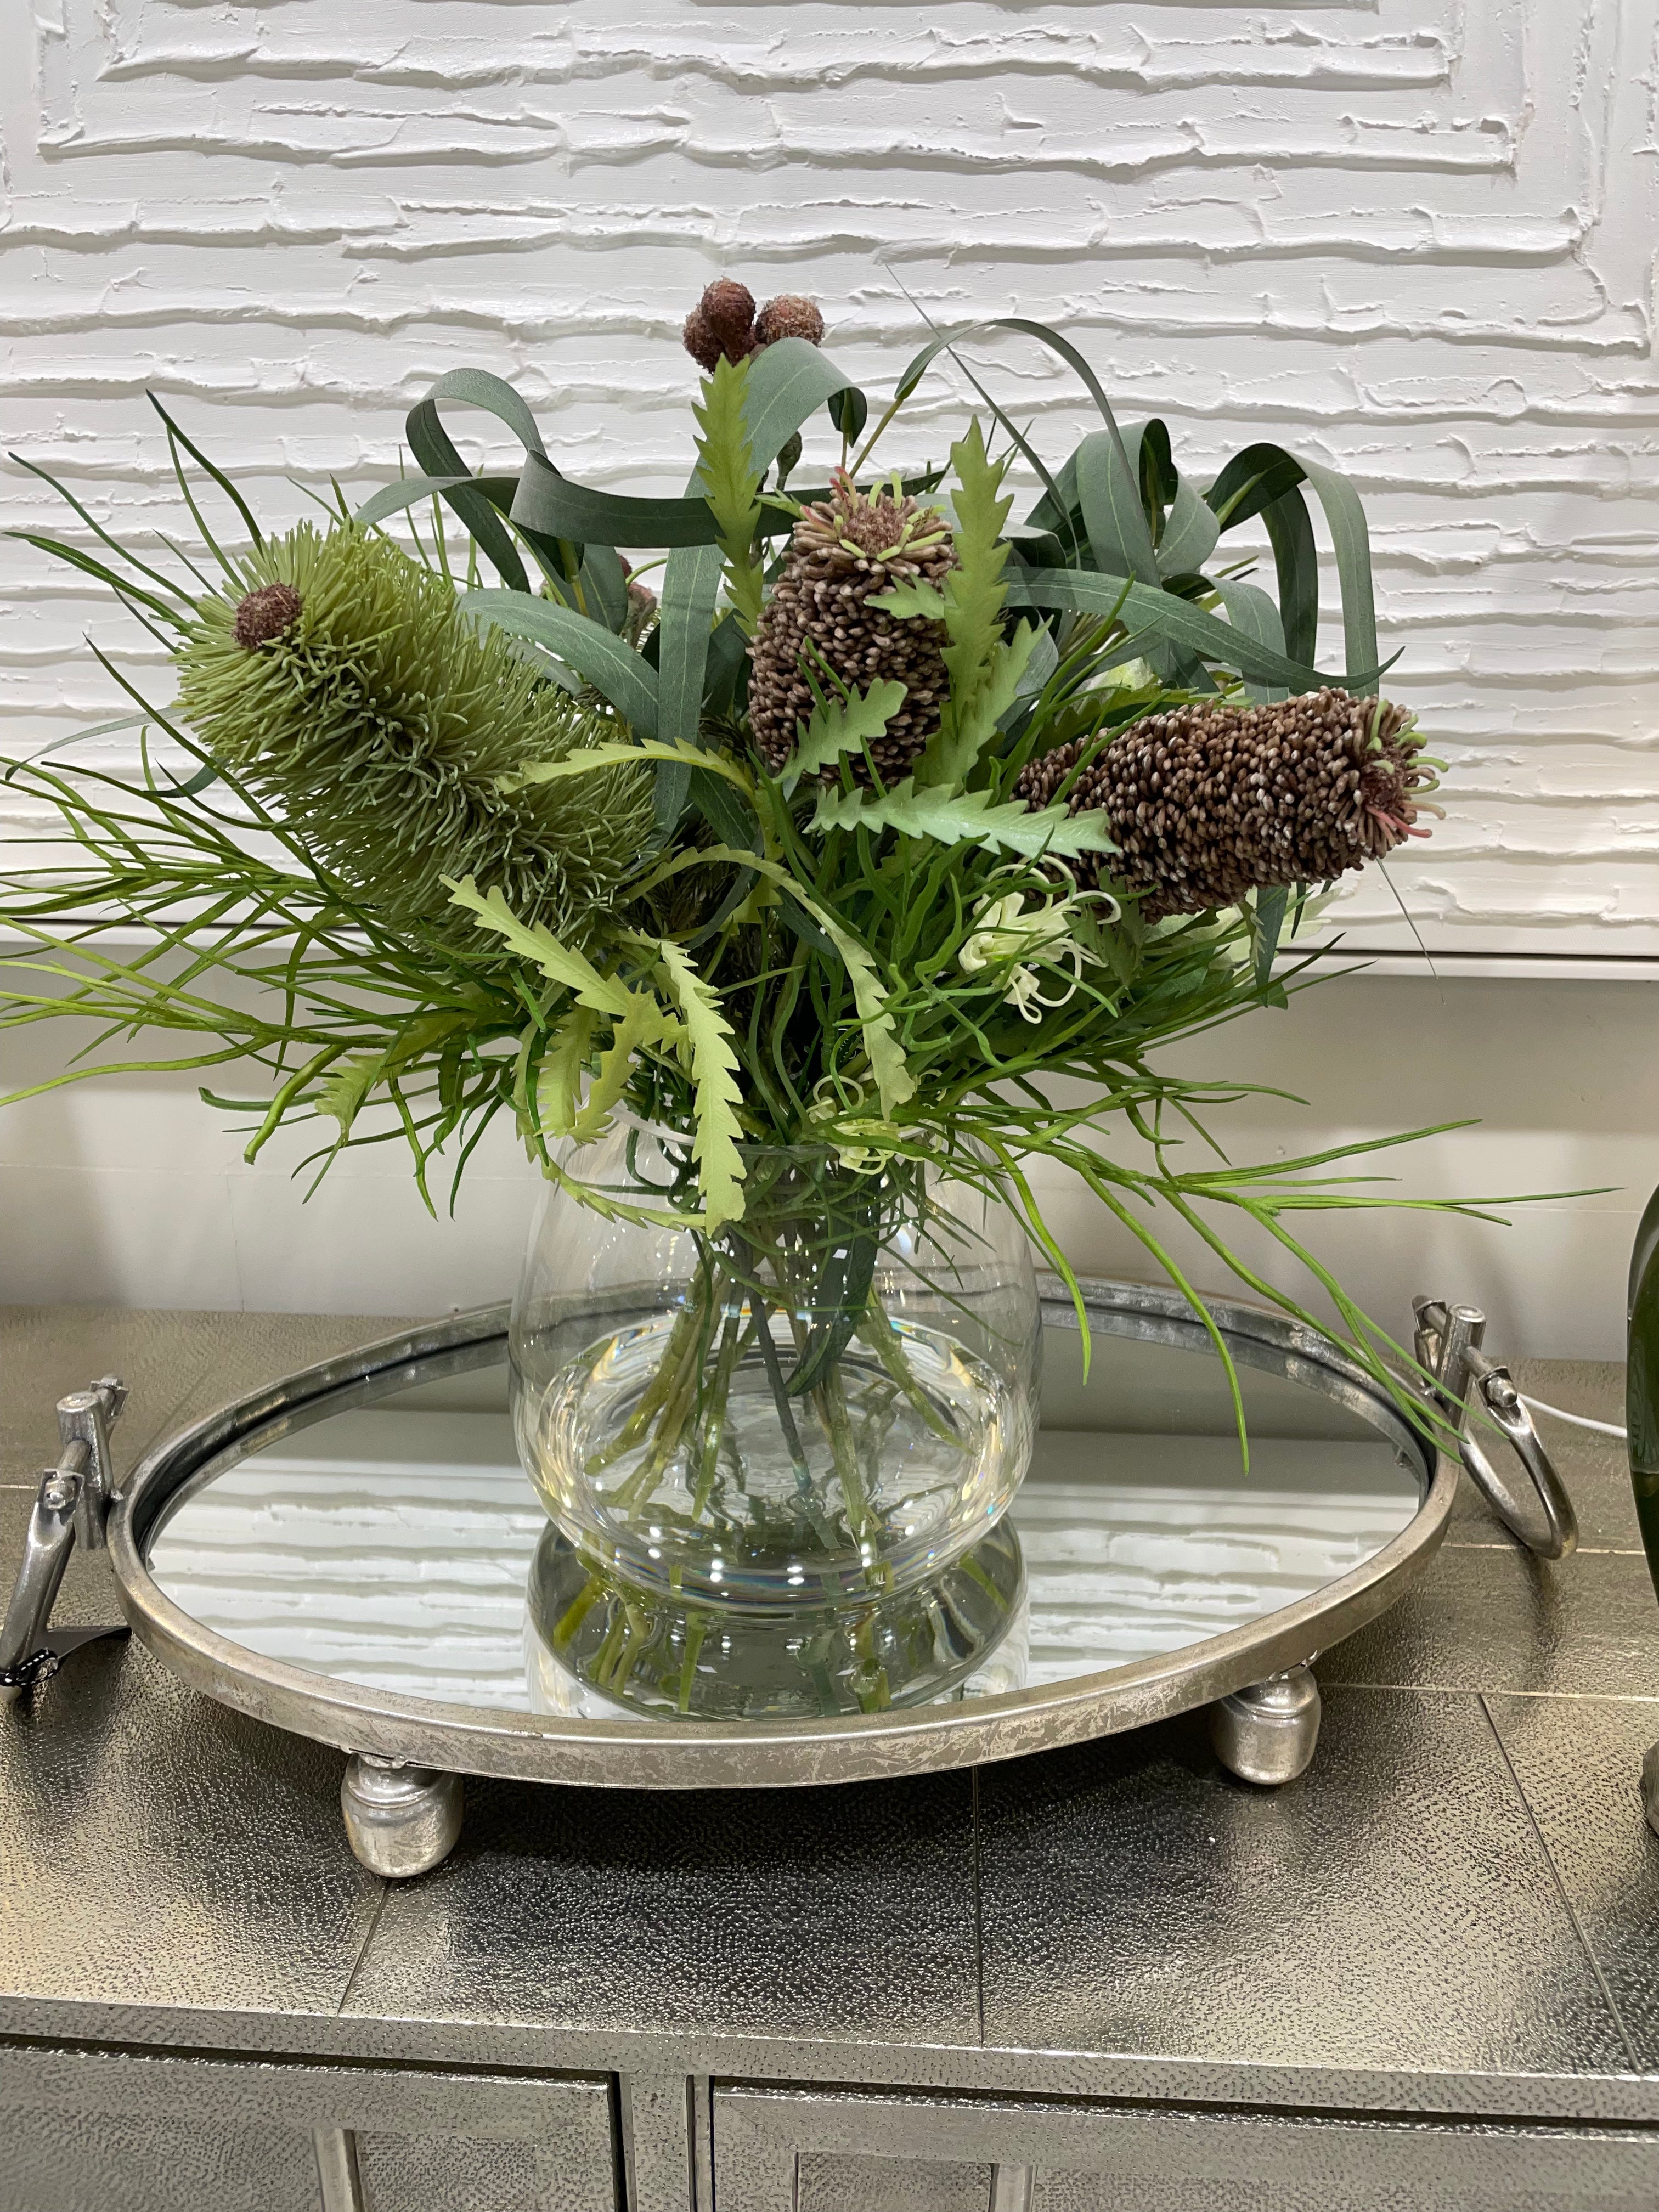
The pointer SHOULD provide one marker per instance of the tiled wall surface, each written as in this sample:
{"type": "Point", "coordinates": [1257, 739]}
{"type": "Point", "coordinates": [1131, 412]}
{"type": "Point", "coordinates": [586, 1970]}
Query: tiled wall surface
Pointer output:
{"type": "Point", "coordinates": [1410, 237]}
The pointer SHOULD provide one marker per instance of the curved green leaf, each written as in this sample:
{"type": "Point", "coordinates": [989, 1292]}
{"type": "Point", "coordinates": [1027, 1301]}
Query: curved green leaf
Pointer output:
{"type": "Point", "coordinates": [690, 587]}
{"type": "Point", "coordinates": [1109, 491]}
{"type": "Point", "coordinates": [786, 382]}
{"type": "Point", "coordinates": [603, 660]}
{"type": "Point", "coordinates": [476, 387]}
{"type": "Point", "coordinates": [1249, 609]}
{"type": "Point", "coordinates": [414, 492]}
{"type": "Point", "coordinates": [1189, 533]}
{"type": "Point", "coordinates": [557, 507]}
{"type": "Point", "coordinates": [1081, 591]}
{"type": "Point", "coordinates": [435, 451]}
{"type": "Point", "coordinates": [1296, 560]}
{"type": "Point", "coordinates": [1261, 481]}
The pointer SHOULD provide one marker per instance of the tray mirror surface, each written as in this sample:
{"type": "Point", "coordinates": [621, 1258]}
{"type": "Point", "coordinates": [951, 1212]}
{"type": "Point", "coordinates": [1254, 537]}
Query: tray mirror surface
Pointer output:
{"type": "Point", "coordinates": [382, 1536]}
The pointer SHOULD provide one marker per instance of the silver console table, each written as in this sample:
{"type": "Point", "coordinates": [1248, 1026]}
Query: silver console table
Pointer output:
{"type": "Point", "coordinates": [1111, 1976]}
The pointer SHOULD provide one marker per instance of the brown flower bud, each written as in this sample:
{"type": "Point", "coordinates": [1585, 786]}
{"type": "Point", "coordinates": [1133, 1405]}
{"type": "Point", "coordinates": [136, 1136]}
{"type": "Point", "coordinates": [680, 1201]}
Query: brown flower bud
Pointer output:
{"type": "Point", "coordinates": [265, 614]}
{"type": "Point", "coordinates": [700, 341]}
{"type": "Point", "coordinates": [788, 316]}
{"type": "Point", "coordinates": [728, 308]}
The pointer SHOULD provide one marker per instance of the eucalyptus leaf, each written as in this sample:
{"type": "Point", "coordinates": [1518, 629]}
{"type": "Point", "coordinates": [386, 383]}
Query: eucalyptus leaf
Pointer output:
{"type": "Point", "coordinates": [1162, 615]}
{"type": "Point", "coordinates": [603, 660]}
{"type": "Point", "coordinates": [690, 587]}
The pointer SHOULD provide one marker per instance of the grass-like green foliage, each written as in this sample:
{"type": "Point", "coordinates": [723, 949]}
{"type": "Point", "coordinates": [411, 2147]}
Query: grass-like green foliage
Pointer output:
{"type": "Point", "coordinates": [384, 727]}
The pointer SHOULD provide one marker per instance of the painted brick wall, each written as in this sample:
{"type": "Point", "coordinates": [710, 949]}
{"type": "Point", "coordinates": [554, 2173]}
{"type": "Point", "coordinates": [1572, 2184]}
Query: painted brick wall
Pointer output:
{"type": "Point", "coordinates": [1411, 237]}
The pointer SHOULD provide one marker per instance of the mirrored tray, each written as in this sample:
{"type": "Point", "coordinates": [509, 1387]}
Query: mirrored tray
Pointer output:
{"type": "Point", "coordinates": [345, 1555]}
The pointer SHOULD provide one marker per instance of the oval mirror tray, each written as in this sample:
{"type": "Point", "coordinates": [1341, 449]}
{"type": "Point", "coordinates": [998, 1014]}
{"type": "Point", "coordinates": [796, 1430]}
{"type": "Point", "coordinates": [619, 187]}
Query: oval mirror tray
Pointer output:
{"type": "Point", "coordinates": [345, 1555]}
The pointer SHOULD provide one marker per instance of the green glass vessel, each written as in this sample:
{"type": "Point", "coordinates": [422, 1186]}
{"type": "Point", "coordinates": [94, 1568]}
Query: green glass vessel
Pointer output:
{"type": "Point", "coordinates": [1641, 1385]}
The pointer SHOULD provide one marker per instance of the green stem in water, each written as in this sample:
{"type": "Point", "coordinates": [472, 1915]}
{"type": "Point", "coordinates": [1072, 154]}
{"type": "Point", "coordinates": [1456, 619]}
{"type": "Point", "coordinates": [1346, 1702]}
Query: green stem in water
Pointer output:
{"type": "Point", "coordinates": [577, 1612]}
{"type": "Point", "coordinates": [713, 1427]}
{"type": "Point", "coordinates": [696, 1627]}
{"type": "Point", "coordinates": [657, 1390]}
{"type": "Point", "coordinates": [831, 1402]}
{"type": "Point", "coordinates": [877, 1330]}
{"type": "Point", "coordinates": [780, 1399]}
{"type": "Point", "coordinates": [675, 1385]}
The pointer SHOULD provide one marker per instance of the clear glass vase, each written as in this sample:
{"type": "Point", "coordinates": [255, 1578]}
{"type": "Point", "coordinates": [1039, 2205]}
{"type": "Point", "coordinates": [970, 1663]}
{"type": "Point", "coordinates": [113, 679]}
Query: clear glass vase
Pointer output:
{"type": "Point", "coordinates": [775, 1459]}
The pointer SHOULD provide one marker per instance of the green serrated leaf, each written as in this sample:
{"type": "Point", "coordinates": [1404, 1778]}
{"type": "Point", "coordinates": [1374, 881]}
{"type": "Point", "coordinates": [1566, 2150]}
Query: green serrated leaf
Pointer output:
{"type": "Point", "coordinates": [972, 590]}
{"type": "Point", "coordinates": [559, 1083]}
{"type": "Point", "coordinates": [728, 478]}
{"type": "Point", "coordinates": [843, 726]}
{"type": "Point", "coordinates": [616, 753]}
{"type": "Point", "coordinates": [342, 1097]}
{"type": "Point", "coordinates": [605, 995]}
{"type": "Point", "coordinates": [966, 728]}
{"type": "Point", "coordinates": [966, 817]}
{"type": "Point", "coordinates": [921, 601]}
{"type": "Point", "coordinates": [640, 1024]}
{"type": "Point", "coordinates": [717, 1092]}
{"type": "Point", "coordinates": [895, 1083]}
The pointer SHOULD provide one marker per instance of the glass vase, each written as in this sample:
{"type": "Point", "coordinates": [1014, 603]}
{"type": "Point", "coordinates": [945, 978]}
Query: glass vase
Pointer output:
{"type": "Point", "coordinates": [775, 1459]}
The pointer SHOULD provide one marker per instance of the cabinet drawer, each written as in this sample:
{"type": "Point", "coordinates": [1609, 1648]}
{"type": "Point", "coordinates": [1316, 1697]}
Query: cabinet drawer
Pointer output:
{"type": "Point", "coordinates": [838, 2181]}
{"type": "Point", "coordinates": [119, 2131]}
{"type": "Point", "coordinates": [770, 2146]}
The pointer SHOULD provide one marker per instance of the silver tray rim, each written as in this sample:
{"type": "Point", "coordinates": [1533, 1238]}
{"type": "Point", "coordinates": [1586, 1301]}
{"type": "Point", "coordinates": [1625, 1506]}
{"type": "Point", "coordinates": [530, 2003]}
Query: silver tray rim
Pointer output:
{"type": "Point", "coordinates": [753, 1755]}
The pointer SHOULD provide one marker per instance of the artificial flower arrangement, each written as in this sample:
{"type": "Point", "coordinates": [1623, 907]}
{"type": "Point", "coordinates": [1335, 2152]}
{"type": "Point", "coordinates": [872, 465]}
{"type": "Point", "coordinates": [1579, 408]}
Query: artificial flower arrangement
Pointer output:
{"type": "Point", "coordinates": [867, 854]}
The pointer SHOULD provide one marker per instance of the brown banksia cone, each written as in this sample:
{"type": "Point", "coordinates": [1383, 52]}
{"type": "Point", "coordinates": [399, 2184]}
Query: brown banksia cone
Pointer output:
{"type": "Point", "coordinates": [847, 550]}
{"type": "Point", "coordinates": [1206, 803]}
{"type": "Point", "coordinates": [266, 613]}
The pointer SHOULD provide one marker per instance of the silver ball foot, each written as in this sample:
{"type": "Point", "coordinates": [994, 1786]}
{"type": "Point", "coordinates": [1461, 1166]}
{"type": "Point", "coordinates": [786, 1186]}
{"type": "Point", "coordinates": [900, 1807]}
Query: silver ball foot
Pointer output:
{"type": "Point", "coordinates": [1651, 1789]}
{"type": "Point", "coordinates": [1266, 1732]}
{"type": "Point", "coordinates": [400, 1820]}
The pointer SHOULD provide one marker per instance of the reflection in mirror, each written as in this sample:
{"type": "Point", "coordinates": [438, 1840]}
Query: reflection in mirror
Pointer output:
{"type": "Point", "coordinates": [387, 1543]}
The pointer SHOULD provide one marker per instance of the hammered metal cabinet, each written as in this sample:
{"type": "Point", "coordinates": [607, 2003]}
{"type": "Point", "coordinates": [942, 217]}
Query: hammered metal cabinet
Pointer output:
{"type": "Point", "coordinates": [104, 2131]}
{"type": "Point", "coordinates": [782, 2150]}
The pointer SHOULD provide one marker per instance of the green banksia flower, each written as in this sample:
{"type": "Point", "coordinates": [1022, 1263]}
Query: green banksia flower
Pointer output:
{"type": "Point", "coordinates": [1209, 802]}
{"type": "Point", "coordinates": [343, 685]}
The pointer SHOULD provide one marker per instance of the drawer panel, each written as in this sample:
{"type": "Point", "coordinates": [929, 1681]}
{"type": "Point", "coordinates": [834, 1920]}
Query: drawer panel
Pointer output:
{"type": "Point", "coordinates": [413, 2173]}
{"type": "Point", "coordinates": [123, 2131]}
{"type": "Point", "coordinates": [1102, 2158]}
{"type": "Point", "coordinates": [833, 2181]}
{"type": "Point", "coordinates": [60, 2160]}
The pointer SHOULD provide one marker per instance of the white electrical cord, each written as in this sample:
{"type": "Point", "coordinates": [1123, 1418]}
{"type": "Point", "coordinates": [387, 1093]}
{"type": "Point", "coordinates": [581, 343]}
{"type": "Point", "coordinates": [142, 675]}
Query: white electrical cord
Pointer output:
{"type": "Point", "coordinates": [1577, 1420]}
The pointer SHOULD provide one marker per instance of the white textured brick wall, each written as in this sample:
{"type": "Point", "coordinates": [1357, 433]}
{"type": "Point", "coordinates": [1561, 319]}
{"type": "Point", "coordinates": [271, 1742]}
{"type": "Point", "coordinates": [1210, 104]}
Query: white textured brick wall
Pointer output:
{"type": "Point", "coordinates": [1411, 237]}
{"type": "Point", "coordinates": [1414, 237]}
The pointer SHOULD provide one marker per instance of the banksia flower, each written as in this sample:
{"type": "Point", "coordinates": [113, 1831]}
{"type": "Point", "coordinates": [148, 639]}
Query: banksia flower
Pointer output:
{"type": "Point", "coordinates": [846, 550]}
{"type": "Point", "coordinates": [1206, 803]}
{"type": "Point", "coordinates": [342, 685]}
